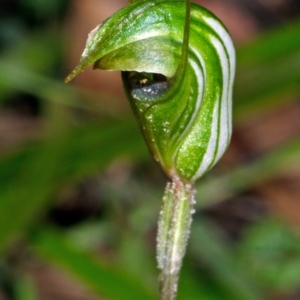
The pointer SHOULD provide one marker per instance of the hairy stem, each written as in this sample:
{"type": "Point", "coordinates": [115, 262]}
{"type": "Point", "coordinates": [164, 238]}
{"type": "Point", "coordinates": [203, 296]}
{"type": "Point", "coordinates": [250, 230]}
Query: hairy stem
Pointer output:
{"type": "Point", "coordinates": [173, 233]}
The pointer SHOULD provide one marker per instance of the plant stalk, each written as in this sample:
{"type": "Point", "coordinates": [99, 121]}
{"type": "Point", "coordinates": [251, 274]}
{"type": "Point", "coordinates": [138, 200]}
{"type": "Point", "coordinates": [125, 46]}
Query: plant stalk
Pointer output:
{"type": "Point", "coordinates": [173, 233]}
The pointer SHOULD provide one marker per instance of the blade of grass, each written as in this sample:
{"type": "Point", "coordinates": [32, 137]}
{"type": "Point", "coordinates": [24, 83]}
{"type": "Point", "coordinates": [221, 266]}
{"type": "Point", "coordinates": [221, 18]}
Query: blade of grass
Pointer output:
{"type": "Point", "coordinates": [18, 78]}
{"type": "Point", "coordinates": [25, 289]}
{"type": "Point", "coordinates": [271, 45]}
{"type": "Point", "coordinates": [209, 247]}
{"type": "Point", "coordinates": [193, 286]}
{"type": "Point", "coordinates": [29, 179]}
{"type": "Point", "coordinates": [265, 168]}
{"type": "Point", "coordinates": [88, 149]}
{"type": "Point", "coordinates": [102, 278]}
{"type": "Point", "coordinates": [270, 252]}
{"type": "Point", "coordinates": [268, 71]}
{"type": "Point", "coordinates": [31, 186]}
{"type": "Point", "coordinates": [265, 85]}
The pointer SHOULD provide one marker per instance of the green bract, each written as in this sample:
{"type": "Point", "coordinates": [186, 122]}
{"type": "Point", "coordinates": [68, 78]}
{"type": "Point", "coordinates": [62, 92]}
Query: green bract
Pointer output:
{"type": "Point", "coordinates": [178, 80]}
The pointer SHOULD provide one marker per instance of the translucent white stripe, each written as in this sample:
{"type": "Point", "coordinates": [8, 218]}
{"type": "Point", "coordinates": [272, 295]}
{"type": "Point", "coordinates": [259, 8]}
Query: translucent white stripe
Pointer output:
{"type": "Point", "coordinates": [224, 125]}
{"type": "Point", "coordinates": [209, 154]}
{"type": "Point", "coordinates": [226, 39]}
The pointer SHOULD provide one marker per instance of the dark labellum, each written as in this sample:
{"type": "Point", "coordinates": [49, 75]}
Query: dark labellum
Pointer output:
{"type": "Point", "coordinates": [145, 86]}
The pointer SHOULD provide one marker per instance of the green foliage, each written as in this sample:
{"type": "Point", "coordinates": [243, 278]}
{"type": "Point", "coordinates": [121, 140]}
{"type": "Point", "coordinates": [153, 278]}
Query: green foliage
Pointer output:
{"type": "Point", "coordinates": [25, 289]}
{"type": "Point", "coordinates": [268, 71]}
{"type": "Point", "coordinates": [33, 176]}
{"type": "Point", "coordinates": [228, 274]}
{"type": "Point", "coordinates": [271, 253]}
{"type": "Point", "coordinates": [106, 280]}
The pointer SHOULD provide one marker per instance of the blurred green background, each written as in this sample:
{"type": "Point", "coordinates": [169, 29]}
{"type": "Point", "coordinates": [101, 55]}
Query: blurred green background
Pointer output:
{"type": "Point", "coordinates": [80, 194]}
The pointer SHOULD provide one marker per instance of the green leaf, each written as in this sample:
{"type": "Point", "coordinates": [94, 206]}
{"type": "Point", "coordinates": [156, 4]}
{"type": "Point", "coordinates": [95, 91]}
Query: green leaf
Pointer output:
{"type": "Point", "coordinates": [209, 247]}
{"type": "Point", "coordinates": [241, 178]}
{"type": "Point", "coordinates": [271, 45]}
{"type": "Point", "coordinates": [104, 279]}
{"type": "Point", "coordinates": [28, 55]}
{"type": "Point", "coordinates": [39, 172]}
{"type": "Point", "coordinates": [15, 77]}
{"type": "Point", "coordinates": [268, 71]}
{"type": "Point", "coordinates": [24, 288]}
{"type": "Point", "coordinates": [194, 286]}
{"type": "Point", "coordinates": [270, 252]}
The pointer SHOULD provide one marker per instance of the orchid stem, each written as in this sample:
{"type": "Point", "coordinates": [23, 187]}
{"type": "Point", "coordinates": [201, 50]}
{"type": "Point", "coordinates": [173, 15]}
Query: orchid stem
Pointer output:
{"type": "Point", "coordinates": [173, 233]}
